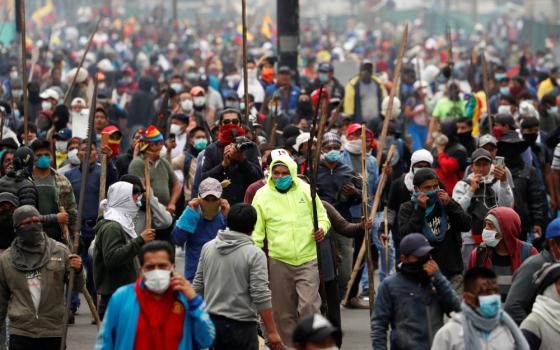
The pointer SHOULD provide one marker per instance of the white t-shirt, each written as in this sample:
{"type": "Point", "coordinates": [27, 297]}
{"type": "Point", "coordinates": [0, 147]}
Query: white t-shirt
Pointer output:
{"type": "Point", "coordinates": [34, 285]}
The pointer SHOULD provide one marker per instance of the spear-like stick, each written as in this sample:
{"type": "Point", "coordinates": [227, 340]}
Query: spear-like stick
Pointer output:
{"type": "Point", "coordinates": [245, 74]}
{"type": "Point", "coordinates": [21, 13]}
{"type": "Point", "coordinates": [485, 87]}
{"type": "Point", "coordinates": [313, 167]}
{"type": "Point", "coordinates": [71, 86]}
{"type": "Point", "coordinates": [394, 91]}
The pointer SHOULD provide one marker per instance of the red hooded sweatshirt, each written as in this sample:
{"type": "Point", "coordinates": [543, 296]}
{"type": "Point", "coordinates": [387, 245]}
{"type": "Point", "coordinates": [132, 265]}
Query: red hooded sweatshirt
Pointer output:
{"type": "Point", "coordinates": [510, 228]}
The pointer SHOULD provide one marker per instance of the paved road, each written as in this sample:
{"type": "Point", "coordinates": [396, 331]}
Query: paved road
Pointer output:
{"type": "Point", "coordinates": [355, 325]}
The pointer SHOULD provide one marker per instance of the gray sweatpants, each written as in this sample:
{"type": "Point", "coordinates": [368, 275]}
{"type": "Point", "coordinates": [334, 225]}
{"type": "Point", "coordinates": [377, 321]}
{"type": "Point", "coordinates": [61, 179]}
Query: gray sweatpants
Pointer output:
{"type": "Point", "coordinates": [295, 295]}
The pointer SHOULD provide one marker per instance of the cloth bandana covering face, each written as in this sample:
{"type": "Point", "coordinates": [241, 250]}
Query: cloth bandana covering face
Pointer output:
{"type": "Point", "coordinates": [120, 206]}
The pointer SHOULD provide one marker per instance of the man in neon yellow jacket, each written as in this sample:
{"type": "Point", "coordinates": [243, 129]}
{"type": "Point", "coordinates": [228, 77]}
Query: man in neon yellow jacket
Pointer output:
{"type": "Point", "coordinates": [285, 219]}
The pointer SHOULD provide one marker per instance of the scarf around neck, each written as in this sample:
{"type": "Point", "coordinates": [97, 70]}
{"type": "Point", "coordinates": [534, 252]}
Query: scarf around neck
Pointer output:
{"type": "Point", "coordinates": [474, 324]}
{"type": "Point", "coordinates": [548, 309]}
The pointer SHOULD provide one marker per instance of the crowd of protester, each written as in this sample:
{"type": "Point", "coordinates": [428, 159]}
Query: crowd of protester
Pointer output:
{"type": "Point", "coordinates": [467, 226]}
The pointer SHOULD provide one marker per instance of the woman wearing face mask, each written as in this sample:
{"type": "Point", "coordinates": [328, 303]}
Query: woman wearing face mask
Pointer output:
{"type": "Point", "coordinates": [501, 249]}
{"type": "Point", "coordinates": [542, 326]}
{"type": "Point", "coordinates": [440, 219]}
{"type": "Point", "coordinates": [200, 223]}
{"type": "Point", "coordinates": [117, 244]}
{"type": "Point", "coordinates": [43, 122]}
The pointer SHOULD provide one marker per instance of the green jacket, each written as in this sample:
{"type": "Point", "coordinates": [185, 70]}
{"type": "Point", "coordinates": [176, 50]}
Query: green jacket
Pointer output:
{"type": "Point", "coordinates": [16, 302]}
{"type": "Point", "coordinates": [115, 260]}
{"type": "Point", "coordinates": [286, 219]}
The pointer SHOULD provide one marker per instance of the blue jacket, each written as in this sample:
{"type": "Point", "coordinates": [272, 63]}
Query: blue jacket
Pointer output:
{"type": "Point", "coordinates": [330, 183]}
{"type": "Point", "coordinates": [289, 107]}
{"type": "Point", "coordinates": [411, 310]}
{"type": "Point", "coordinates": [373, 178]}
{"type": "Point", "coordinates": [193, 231]}
{"type": "Point", "coordinates": [119, 325]}
{"type": "Point", "coordinates": [91, 203]}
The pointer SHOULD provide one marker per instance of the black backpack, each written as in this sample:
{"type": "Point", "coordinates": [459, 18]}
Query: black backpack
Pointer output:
{"type": "Point", "coordinates": [482, 201]}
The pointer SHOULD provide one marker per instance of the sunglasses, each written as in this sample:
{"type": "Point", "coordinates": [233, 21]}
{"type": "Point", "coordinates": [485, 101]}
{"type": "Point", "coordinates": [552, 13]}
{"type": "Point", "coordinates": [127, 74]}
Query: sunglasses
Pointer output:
{"type": "Point", "coordinates": [230, 121]}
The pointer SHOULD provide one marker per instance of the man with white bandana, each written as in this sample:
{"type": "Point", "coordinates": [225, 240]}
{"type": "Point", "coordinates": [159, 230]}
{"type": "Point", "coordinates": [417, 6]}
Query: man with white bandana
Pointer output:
{"type": "Point", "coordinates": [117, 244]}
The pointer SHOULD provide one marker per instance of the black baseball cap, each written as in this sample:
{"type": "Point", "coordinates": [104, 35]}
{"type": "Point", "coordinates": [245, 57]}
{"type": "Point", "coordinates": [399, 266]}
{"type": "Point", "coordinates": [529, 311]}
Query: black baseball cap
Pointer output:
{"type": "Point", "coordinates": [284, 70]}
{"type": "Point", "coordinates": [415, 244]}
{"type": "Point", "coordinates": [314, 328]}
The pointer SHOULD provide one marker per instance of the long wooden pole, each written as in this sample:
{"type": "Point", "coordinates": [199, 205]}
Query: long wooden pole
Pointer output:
{"type": "Point", "coordinates": [312, 184]}
{"type": "Point", "coordinates": [81, 202]}
{"type": "Point", "coordinates": [245, 73]}
{"type": "Point", "coordinates": [148, 181]}
{"type": "Point", "coordinates": [486, 88]}
{"type": "Point", "coordinates": [21, 12]}
{"type": "Point", "coordinates": [394, 91]}
{"type": "Point", "coordinates": [71, 86]}
{"type": "Point", "coordinates": [367, 231]}
{"type": "Point", "coordinates": [376, 200]}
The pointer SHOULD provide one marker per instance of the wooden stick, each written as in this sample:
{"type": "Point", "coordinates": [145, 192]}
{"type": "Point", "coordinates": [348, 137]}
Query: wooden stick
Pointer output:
{"type": "Point", "coordinates": [386, 231]}
{"type": "Point", "coordinates": [90, 41]}
{"type": "Point", "coordinates": [394, 91]}
{"type": "Point", "coordinates": [21, 12]}
{"type": "Point", "coordinates": [376, 200]}
{"type": "Point", "coordinates": [367, 232]}
{"type": "Point", "coordinates": [81, 202]}
{"type": "Point", "coordinates": [272, 137]}
{"type": "Point", "coordinates": [486, 88]}
{"type": "Point", "coordinates": [245, 74]}
{"type": "Point", "coordinates": [313, 187]}
{"type": "Point", "coordinates": [148, 191]}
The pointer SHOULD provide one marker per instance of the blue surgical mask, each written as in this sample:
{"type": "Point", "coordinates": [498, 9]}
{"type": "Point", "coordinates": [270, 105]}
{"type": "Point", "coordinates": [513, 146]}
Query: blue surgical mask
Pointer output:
{"type": "Point", "coordinates": [323, 77]}
{"type": "Point", "coordinates": [200, 144]}
{"type": "Point", "coordinates": [504, 90]}
{"type": "Point", "coordinates": [500, 76]}
{"type": "Point", "coordinates": [552, 110]}
{"type": "Point", "coordinates": [139, 202]}
{"type": "Point", "coordinates": [176, 87]}
{"type": "Point", "coordinates": [283, 183]}
{"type": "Point", "coordinates": [333, 155]}
{"type": "Point", "coordinates": [489, 305]}
{"type": "Point", "coordinates": [44, 162]}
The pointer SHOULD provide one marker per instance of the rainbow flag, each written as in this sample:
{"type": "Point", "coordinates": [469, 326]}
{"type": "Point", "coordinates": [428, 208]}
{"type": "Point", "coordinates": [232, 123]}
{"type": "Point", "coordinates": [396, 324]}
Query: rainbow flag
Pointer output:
{"type": "Point", "coordinates": [44, 15]}
{"type": "Point", "coordinates": [267, 28]}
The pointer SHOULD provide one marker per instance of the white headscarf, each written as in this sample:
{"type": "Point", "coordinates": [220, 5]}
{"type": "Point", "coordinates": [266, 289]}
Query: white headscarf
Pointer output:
{"type": "Point", "coordinates": [421, 155]}
{"type": "Point", "coordinates": [120, 207]}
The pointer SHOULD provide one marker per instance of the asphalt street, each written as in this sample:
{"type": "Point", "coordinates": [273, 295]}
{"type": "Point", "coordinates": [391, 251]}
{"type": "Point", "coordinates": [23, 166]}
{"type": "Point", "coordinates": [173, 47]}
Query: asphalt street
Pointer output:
{"type": "Point", "coordinates": [355, 326]}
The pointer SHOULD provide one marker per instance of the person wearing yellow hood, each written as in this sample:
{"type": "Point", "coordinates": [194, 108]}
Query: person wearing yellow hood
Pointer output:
{"type": "Point", "coordinates": [285, 219]}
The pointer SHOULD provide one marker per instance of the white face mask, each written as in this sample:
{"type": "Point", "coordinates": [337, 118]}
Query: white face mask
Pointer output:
{"type": "Point", "coordinates": [46, 105]}
{"type": "Point", "coordinates": [354, 146]}
{"type": "Point", "coordinates": [175, 129]}
{"type": "Point", "coordinates": [73, 157]}
{"type": "Point", "coordinates": [504, 110]}
{"type": "Point", "coordinates": [75, 115]}
{"type": "Point", "coordinates": [157, 280]}
{"type": "Point", "coordinates": [61, 146]}
{"type": "Point", "coordinates": [13, 74]}
{"type": "Point", "coordinates": [187, 106]}
{"type": "Point", "coordinates": [199, 101]}
{"type": "Point", "coordinates": [489, 238]}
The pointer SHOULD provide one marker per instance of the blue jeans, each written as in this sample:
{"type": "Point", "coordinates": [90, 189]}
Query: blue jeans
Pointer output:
{"type": "Point", "coordinates": [383, 270]}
